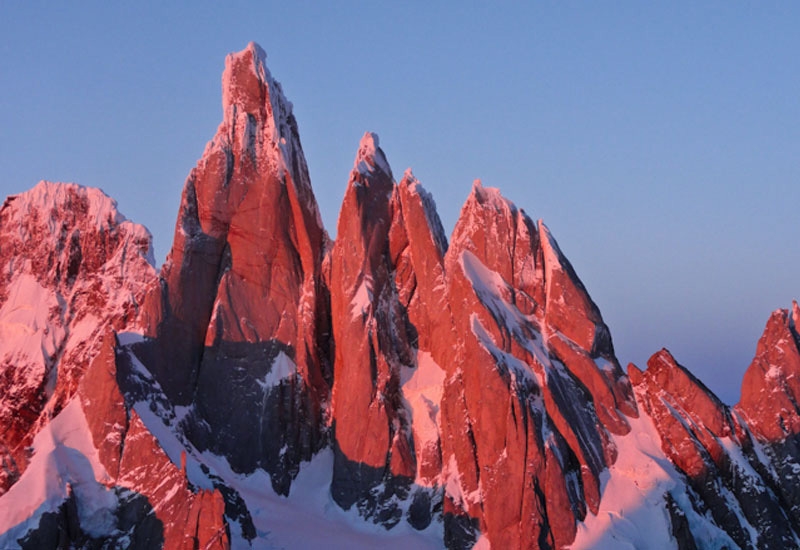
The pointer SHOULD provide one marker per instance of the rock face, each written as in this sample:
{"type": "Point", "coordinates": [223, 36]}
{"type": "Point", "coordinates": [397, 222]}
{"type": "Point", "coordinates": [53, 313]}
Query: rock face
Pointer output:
{"type": "Point", "coordinates": [713, 449]}
{"type": "Point", "coordinates": [373, 439]}
{"type": "Point", "coordinates": [137, 464]}
{"type": "Point", "coordinates": [241, 309]}
{"type": "Point", "coordinates": [70, 266]}
{"type": "Point", "coordinates": [387, 388]}
{"type": "Point", "coordinates": [770, 404]}
{"type": "Point", "coordinates": [537, 389]}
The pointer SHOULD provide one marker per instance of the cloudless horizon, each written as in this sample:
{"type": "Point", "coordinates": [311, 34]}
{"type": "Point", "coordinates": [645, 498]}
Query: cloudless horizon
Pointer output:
{"type": "Point", "coordinates": [660, 144]}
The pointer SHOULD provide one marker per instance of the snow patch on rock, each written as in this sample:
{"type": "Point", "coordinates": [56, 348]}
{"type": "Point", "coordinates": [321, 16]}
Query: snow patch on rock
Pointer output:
{"type": "Point", "coordinates": [633, 511]}
{"type": "Point", "coordinates": [282, 367]}
{"type": "Point", "coordinates": [64, 460]}
{"type": "Point", "coordinates": [27, 334]}
{"type": "Point", "coordinates": [362, 300]}
{"type": "Point", "coordinates": [283, 522]}
{"type": "Point", "coordinates": [422, 389]}
{"type": "Point", "coordinates": [370, 156]}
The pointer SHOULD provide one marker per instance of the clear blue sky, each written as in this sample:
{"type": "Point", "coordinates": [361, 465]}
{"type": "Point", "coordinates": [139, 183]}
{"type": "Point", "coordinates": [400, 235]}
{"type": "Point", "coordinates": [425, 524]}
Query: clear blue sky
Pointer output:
{"type": "Point", "coordinates": [661, 144]}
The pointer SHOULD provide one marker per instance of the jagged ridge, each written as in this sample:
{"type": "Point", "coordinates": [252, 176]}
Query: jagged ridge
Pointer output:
{"type": "Point", "coordinates": [463, 394]}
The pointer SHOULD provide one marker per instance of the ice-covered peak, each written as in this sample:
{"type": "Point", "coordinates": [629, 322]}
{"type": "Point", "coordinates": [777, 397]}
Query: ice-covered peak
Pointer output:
{"type": "Point", "coordinates": [410, 181]}
{"type": "Point", "coordinates": [489, 196]}
{"type": "Point", "coordinates": [370, 156]}
{"type": "Point", "coordinates": [70, 219]}
{"type": "Point", "coordinates": [249, 88]}
{"type": "Point", "coordinates": [47, 196]}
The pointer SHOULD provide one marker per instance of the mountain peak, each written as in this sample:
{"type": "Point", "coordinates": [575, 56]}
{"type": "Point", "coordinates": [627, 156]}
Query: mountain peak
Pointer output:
{"type": "Point", "coordinates": [770, 389]}
{"type": "Point", "coordinates": [409, 178]}
{"type": "Point", "coordinates": [370, 156]}
{"type": "Point", "coordinates": [490, 196]}
{"type": "Point", "coordinates": [102, 209]}
{"type": "Point", "coordinates": [248, 85]}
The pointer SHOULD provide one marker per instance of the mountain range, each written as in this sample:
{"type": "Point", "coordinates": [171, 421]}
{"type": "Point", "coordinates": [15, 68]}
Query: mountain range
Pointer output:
{"type": "Point", "coordinates": [269, 387]}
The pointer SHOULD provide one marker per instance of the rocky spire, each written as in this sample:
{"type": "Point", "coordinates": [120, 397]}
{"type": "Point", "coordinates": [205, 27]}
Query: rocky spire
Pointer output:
{"type": "Point", "coordinates": [770, 403]}
{"type": "Point", "coordinates": [370, 157]}
{"type": "Point", "coordinates": [372, 434]}
{"type": "Point", "coordinates": [713, 450]}
{"type": "Point", "coordinates": [770, 398]}
{"type": "Point", "coordinates": [242, 285]}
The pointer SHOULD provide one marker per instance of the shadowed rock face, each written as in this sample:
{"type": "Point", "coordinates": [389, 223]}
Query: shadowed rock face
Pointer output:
{"type": "Point", "coordinates": [138, 527]}
{"type": "Point", "coordinates": [134, 458]}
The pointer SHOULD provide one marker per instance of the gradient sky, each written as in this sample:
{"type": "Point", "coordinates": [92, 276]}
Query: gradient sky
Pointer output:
{"type": "Point", "coordinates": [660, 144]}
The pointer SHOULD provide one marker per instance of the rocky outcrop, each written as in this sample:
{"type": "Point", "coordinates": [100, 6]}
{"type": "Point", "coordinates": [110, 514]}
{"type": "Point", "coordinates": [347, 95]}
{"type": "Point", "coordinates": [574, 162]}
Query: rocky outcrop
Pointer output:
{"type": "Point", "coordinates": [713, 449]}
{"type": "Point", "coordinates": [770, 398]}
{"type": "Point", "coordinates": [385, 266]}
{"type": "Point", "coordinates": [770, 404]}
{"type": "Point", "coordinates": [70, 266]}
{"type": "Point", "coordinates": [137, 465]}
{"type": "Point", "coordinates": [689, 417]}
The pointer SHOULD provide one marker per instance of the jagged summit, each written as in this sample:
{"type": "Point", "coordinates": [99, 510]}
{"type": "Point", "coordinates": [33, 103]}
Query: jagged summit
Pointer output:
{"type": "Point", "coordinates": [48, 194]}
{"type": "Point", "coordinates": [370, 156]}
{"type": "Point", "coordinates": [100, 210]}
{"type": "Point", "coordinates": [258, 119]}
{"type": "Point", "coordinates": [246, 79]}
{"type": "Point", "coordinates": [489, 196]}
{"type": "Point", "coordinates": [414, 187]}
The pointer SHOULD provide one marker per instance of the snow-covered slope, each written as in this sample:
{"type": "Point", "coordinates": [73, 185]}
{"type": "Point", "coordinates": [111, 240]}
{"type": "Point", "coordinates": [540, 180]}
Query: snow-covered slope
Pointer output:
{"type": "Point", "coordinates": [642, 493]}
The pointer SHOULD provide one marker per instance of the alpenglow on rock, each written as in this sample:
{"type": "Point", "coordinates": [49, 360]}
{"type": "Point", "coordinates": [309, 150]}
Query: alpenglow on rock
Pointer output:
{"type": "Point", "coordinates": [271, 388]}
